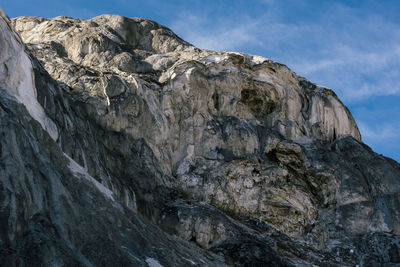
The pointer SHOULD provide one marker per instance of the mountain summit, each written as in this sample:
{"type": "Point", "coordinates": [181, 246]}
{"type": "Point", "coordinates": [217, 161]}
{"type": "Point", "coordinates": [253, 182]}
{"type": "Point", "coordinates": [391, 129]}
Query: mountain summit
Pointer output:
{"type": "Point", "coordinates": [123, 145]}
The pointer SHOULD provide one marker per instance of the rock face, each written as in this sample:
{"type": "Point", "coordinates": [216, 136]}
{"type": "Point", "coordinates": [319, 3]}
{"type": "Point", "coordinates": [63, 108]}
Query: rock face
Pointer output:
{"type": "Point", "coordinates": [121, 144]}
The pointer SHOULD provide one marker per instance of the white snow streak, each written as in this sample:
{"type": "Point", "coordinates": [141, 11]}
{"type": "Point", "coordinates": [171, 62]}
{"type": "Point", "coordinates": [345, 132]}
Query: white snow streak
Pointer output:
{"type": "Point", "coordinates": [26, 94]}
{"type": "Point", "coordinates": [79, 171]}
{"type": "Point", "coordinates": [153, 262]}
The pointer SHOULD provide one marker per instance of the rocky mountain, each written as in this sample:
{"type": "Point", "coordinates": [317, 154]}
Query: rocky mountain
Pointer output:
{"type": "Point", "coordinates": [123, 145]}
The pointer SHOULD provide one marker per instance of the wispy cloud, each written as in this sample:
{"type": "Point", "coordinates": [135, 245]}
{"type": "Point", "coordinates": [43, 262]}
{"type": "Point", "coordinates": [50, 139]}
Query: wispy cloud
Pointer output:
{"type": "Point", "coordinates": [384, 138]}
{"type": "Point", "coordinates": [380, 133]}
{"type": "Point", "coordinates": [356, 55]}
{"type": "Point", "coordinates": [228, 35]}
{"type": "Point", "coordinates": [354, 73]}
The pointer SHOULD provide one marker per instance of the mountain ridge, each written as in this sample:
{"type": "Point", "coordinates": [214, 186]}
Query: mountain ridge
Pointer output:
{"type": "Point", "coordinates": [233, 156]}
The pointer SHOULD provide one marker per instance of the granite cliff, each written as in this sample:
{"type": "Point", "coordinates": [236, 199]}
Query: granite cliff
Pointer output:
{"type": "Point", "coordinates": [123, 145]}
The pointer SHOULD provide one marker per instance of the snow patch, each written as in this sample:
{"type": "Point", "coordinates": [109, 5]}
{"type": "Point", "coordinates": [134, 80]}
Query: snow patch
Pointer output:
{"type": "Point", "coordinates": [79, 171]}
{"type": "Point", "coordinates": [258, 59]}
{"type": "Point", "coordinates": [153, 262]}
{"type": "Point", "coordinates": [26, 94]}
{"type": "Point", "coordinates": [18, 80]}
{"type": "Point", "coordinates": [322, 87]}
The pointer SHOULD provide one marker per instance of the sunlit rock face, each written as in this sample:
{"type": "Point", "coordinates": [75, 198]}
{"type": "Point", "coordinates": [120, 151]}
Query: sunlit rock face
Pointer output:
{"type": "Point", "coordinates": [148, 83]}
{"type": "Point", "coordinates": [53, 211]}
{"type": "Point", "coordinates": [178, 156]}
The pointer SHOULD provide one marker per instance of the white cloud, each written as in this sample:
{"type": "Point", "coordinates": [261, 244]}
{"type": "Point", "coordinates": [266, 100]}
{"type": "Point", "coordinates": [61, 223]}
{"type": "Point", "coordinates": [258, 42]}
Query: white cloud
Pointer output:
{"type": "Point", "coordinates": [380, 133]}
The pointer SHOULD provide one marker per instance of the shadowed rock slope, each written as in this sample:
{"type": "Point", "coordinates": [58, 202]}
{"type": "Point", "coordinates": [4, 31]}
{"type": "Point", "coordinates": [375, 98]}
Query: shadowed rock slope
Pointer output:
{"type": "Point", "coordinates": [123, 145]}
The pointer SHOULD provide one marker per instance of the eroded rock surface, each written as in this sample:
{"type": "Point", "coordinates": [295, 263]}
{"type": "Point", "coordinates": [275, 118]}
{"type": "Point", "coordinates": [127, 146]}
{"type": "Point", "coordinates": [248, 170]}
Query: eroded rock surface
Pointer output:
{"type": "Point", "coordinates": [116, 131]}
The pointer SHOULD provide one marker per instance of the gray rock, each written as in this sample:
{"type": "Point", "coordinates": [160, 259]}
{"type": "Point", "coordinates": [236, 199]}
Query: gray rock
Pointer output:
{"type": "Point", "coordinates": [122, 144]}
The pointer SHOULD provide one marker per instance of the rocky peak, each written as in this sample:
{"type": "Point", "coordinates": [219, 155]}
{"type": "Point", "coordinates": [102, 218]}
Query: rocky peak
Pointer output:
{"type": "Point", "coordinates": [97, 41]}
{"type": "Point", "coordinates": [115, 60]}
{"type": "Point", "coordinates": [173, 151]}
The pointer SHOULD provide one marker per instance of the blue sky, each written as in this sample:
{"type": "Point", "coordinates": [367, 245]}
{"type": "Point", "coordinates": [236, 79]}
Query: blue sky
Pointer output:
{"type": "Point", "coordinates": [350, 46]}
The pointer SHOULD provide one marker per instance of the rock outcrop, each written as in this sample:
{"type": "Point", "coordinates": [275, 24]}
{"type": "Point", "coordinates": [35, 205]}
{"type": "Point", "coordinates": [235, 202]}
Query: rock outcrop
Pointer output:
{"type": "Point", "coordinates": [122, 144]}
